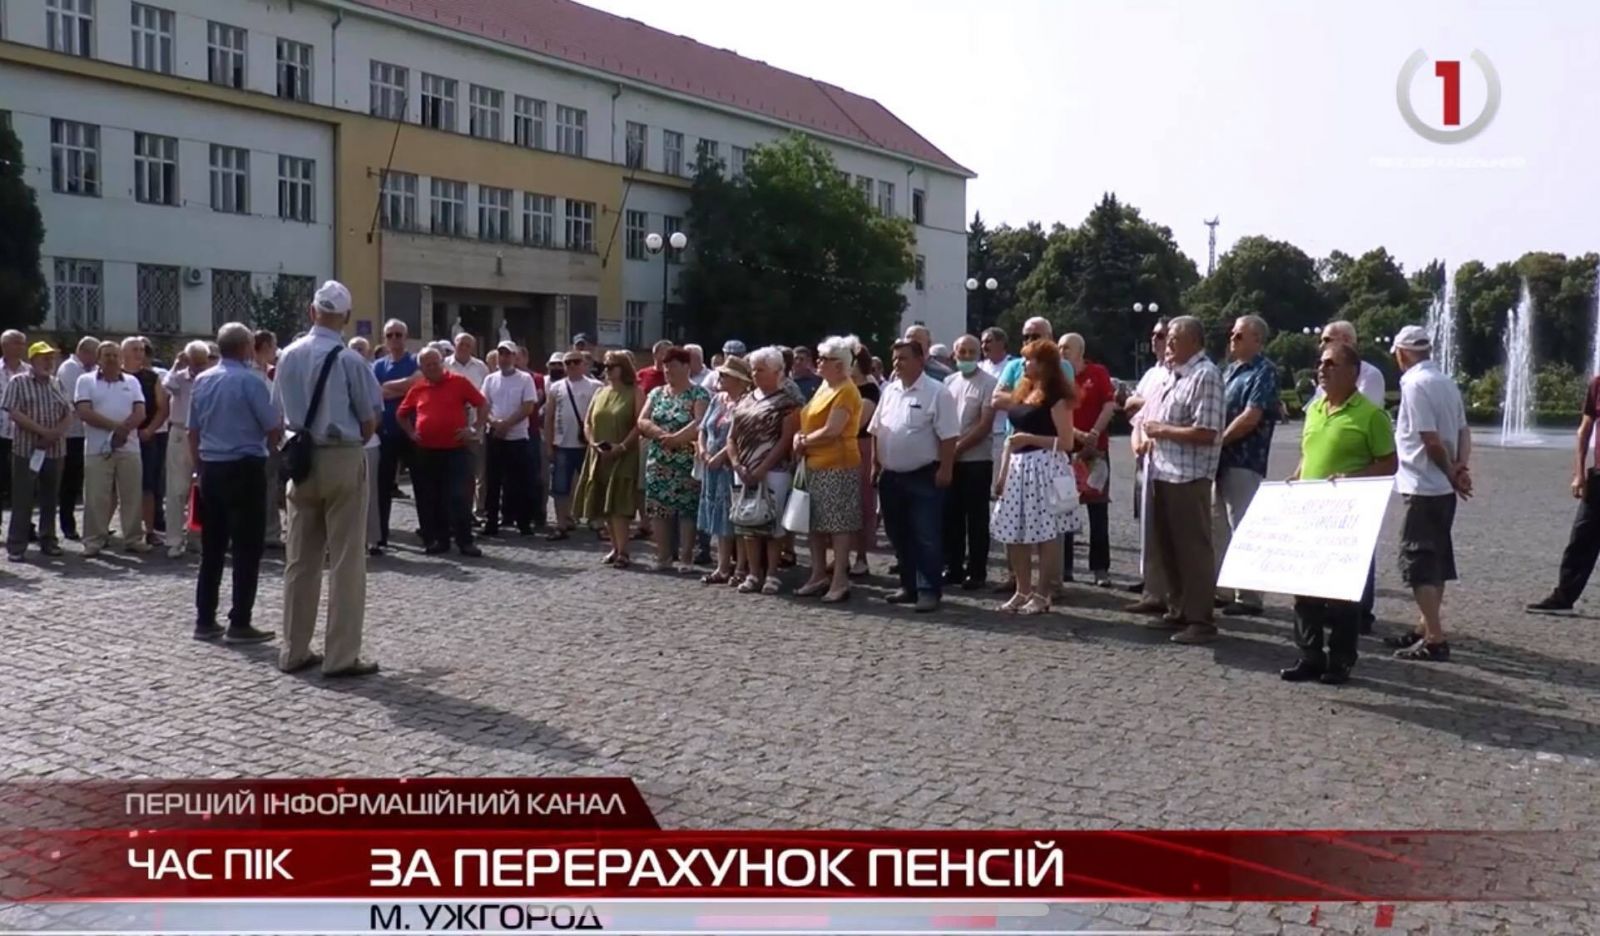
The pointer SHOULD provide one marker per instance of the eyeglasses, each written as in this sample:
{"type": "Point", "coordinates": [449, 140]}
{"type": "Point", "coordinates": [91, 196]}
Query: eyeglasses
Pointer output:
{"type": "Point", "coordinates": [1035, 337]}
{"type": "Point", "coordinates": [1324, 339]}
{"type": "Point", "coordinates": [574, 362]}
{"type": "Point", "coordinates": [394, 334]}
{"type": "Point", "coordinates": [1327, 362]}
{"type": "Point", "coordinates": [1158, 336]}
{"type": "Point", "coordinates": [1235, 335]}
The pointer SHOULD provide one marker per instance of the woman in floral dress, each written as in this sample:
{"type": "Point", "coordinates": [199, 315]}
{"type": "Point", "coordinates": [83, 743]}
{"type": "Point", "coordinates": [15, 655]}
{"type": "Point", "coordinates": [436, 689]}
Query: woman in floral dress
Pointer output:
{"type": "Point", "coordinates": [671, 422]}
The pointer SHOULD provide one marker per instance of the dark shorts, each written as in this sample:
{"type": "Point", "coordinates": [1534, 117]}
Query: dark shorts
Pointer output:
{"type": "Point", "coordinates": [153, 464]}
{"type": "Point", "coordinates": [567, 463]}
{"type": "Point", "coordinates": [1427, 556]}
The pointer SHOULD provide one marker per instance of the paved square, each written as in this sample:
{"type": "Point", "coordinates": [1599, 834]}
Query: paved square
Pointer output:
{"type": "Point", "coordinates": [750, 711]}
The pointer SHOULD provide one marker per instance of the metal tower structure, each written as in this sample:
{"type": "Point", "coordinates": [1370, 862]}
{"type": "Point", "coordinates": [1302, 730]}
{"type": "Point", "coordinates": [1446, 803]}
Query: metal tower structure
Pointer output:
{"type": "Point", "coordinates": [1211, 263]}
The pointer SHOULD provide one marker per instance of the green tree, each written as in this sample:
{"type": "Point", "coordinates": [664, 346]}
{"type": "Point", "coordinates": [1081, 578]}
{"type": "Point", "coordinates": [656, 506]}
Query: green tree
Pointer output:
{"type": "Point", "coordinates": [1013, 254]}
{"type": "Point", "coordinates": [22, 285]}
{"type": "Point", "coordinates": [1273, 279]}
{"type": "Point", "coordinates": [789, 251]}
{"type": "Point", "coordinates": [282, 309]}
{"type": "Point", "coordinates": [1482, 295]}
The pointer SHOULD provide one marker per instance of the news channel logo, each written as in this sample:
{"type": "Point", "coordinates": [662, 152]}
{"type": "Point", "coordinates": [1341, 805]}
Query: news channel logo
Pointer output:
{"type": "Point", "coordinates": [1445, 99]}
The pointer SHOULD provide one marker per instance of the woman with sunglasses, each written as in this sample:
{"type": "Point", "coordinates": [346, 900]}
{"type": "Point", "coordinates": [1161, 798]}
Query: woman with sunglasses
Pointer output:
{"type": "Point", "coordinates": [608, 490]}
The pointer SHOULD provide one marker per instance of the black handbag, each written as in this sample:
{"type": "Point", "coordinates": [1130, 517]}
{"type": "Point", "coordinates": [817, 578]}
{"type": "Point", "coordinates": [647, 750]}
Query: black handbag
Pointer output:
{"type": "Point", "coordinates": [295, 456]}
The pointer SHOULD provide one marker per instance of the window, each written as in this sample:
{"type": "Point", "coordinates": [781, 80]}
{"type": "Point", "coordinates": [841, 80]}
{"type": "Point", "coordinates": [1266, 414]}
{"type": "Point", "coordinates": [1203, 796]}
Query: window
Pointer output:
{"type": "Point", "coordinates": [670, 226]}
{"type": "Point", "coordinates": [707, 152]}
{"type": "Point", "coordinates": [527, 125]}
{"type": "Point", "coordinates": [671, 152]}
{"type": "Point", "coordinates": [886, 198]}
{"type": "Point", "coordinates": [397, 200]}
{"type": "Point", "coordinates": [75, 157]}
{"type": "Point", "coordinates": [494, 213]}
{"type": "Point", "coordinates": [485, 110]}
{"type": "Point", "coordinates": [230, 179]}
{"type": "Point", "coordinates": [70, 26]}
{"type": "Point", "coordinates": [580, 225]}
{"type": "Point", "coordinates": [299, 289]}
{"type": "Point", "coordinates": [920, 277]}
{"type": "Point", "coordinates": [538, 220]}
{"type": "Point", "coordinates": [634, 238]}
{"type": "Point", "coordinates": [152, 38]}
{"type": "Point", "coordinates": [637, 134]}
{"type": "Point", "coordinates": [448, 207]}
{"type": "Point", "coordinates": [297, 188]}
{"type": "Point", "coordinates": [919, 206]}
{"type": "Point", "coordinates": [225, 54]}
{"type": "Point", "coordinates": [864, 186]}
{"type": "Point", "coordinates": [160, 306]}
{"type": "Point", "coordinates": [571, 126]}
{"type": "Point", "coordinates": [633, 325]}
{"type": "Point", "coordinates": [391, 88]}
{"type": "Point", "coordinates": [294, 70]}
{"type": "Point", "coordinates": [438, 102]}
{"type": "Point", "coordinates": [155, 169]}
{"type": "Point", "coordinates": [740, 157]}
{"type": "Point", "coordinates": [78, 299]}
{"type": "Point", "coordinates": [230, 297]}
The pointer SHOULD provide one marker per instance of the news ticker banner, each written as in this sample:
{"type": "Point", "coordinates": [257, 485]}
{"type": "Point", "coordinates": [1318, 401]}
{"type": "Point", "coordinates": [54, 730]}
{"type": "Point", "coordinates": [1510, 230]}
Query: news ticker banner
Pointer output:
{"type": "Point", "coordinates": [520, 841]}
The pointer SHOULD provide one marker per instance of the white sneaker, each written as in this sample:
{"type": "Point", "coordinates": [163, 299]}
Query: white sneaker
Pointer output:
{"type": "Point", "coordinates": [176, 552]}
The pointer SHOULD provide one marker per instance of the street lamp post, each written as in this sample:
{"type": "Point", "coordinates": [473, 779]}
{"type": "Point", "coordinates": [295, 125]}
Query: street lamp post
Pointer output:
{"type": "Point", "coordinates": [1139, 310]}
{"type": "Point", "coordinates": [988, 286]}
{"type": "Point", "coordinates": [655, 243]}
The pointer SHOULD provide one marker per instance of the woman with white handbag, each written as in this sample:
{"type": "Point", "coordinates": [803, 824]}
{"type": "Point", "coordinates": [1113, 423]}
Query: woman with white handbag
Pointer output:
{"type": "Point", "coordinates": [764, 424]}
{"type": "Point", "coordinates": [1036, 494]}
{"type": "Point", "coordinates": [827, 443]}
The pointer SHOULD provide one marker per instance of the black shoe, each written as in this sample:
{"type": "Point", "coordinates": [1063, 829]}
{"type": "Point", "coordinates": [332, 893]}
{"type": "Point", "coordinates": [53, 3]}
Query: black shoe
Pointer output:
{"type": "Point", "coordinates": [375, 552]}
{"type": "Point", "coordinates": [954, 577]}
{"type": "Point", "coordinates": [702, 558]}
{"type": "Point", "coordinates": [894, 568]}
{"type": "Point", "coordinates": [1137, 588]}
{"type": "Point", "coordinates": [71, 533]}
{"type": "Point", "coordinates": [974, 584]}
{"type": "Point", "coordinates": [471, 551]}
{"type": "Point", "coordinates": [490, 529]}
{"type": "Point", "coordinates": [1551, 602]}
{"type": "Point", "coordinates": [926, 603]}
{"type": "Point", "coordinates": [208, 631]}
{"type": "Point", "coordinates": [1240, 609]}
{"type": "Point", "coordinates": [399, 494]}
{"type": "Point", "coordinates": [16, 556]}
{"type": "Point", "coordinates": [434, 549]}
{"type": "Point", "coordinates": [247, 635]}
{"type": "Point", "coordinates": [1403, 641]}
{"type": "Point", "coordinates": [358, 668]}
{"type": "Point", "coordinates": [527, 531]}
{"type": "Point", "coordinates": [1303, 671]}
{"type": "Point", "coordinates": [1365, 627]}
{"type": "Point", "coordinates": [1336, 676]}
{"type": "Point", "coordinates": [51, 549]}
{"type": "Point", "coordinates": [1423, 651]}
{"type": "Point", "coordinates": [901, 596]}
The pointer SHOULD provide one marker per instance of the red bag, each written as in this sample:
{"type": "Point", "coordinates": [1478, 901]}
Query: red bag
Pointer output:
{"type": "Point", "coordinates": [194, 507]}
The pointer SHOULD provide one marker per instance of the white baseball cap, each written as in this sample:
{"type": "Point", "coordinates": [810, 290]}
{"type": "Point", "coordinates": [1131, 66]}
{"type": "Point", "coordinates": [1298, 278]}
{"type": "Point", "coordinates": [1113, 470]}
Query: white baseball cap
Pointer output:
{"type": "Point", "coordinates": [333, 298]}
{"type": "Point", "coordinates": [1412, 338]}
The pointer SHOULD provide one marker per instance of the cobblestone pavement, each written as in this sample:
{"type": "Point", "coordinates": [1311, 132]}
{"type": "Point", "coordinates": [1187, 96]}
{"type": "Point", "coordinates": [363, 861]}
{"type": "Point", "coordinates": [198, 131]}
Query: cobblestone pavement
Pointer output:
{"type": "Point", "coordinates": [750, 711]}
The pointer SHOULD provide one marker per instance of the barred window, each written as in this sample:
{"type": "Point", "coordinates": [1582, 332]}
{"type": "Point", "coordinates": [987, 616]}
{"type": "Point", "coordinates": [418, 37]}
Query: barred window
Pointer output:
{"type": "Point", "coordinates": [155, 169]}
{"type": "Point", "coordinates": [160, 304]}
{"type": "Point", "coordinates": [294, 70]}
{"type": "Point", "coordinates": [297, 188]}
{"type": "Point", "coordinates": [299, 289]}
{"type": "Point", "coordinates": [225, 54]}
{"type": "Point", "coordinates": [70, 26]}
{"type": "Point", "coordinates": [527, 125]}
{"type": "Point", "coordinates": [638, 134]}
{"type": "Point", "coordinates": [572, 125]}
{"type": "Point", "coordinates": [485, 107]}
{"type": "Point", "coordinates": [78, 296]}
{"type": "Point", "coordinates": [637, 221]}
{"type": "Point", "coordinates": [391, 88]}
{"type": "Point", "coordinates": [438, 102]}
{"type": "Point", "coordinates": [920, 276]}
{"type": "Point", "coordinates": [494, 213]}
{"type": "Point", "coordinates": [538, 220]}
{"type": "Point", "coordinates": [580, 225]}
{"type": "Point", "coordinates": [671, 152]}
{"type": "Point", "coordinates": [633, 324]}
{"type": "Point", "coordinates": [399, 201]}
{"type": "Point", "coordinates": [448, 208]}
{"type": "Point", "coordinates": [75, 157]}
{"type": "Point", "coordinates": [230, 179]}
{"type": "Point", "coordinates": [230, 297]}
{"type": "Point", "coordinates": [152, 38]}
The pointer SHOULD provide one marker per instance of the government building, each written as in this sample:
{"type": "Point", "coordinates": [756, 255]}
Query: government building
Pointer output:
{"type": "Point", "coordinates": [495, 166]}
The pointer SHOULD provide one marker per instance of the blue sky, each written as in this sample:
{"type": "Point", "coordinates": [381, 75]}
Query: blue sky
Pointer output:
{"type": "Point", "coordinates": [1278, 115]}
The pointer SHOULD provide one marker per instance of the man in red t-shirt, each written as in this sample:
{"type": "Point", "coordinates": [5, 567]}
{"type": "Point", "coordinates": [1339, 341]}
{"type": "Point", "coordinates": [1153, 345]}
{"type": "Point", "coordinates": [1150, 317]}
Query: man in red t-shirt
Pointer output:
{"type": "Point", "coordinates": [655, 375]}
{"type": "Point", "coordinates": [1097, 400]}
{"type": "Point", "coordinates": [434, 415]}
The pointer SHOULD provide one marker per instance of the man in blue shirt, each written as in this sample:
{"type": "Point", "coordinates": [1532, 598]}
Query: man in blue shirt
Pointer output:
{"type": "Point", "coordinates": [231, 421]}
{"type": "Point", "coordinates": [396, 371]}
{"type": "Point", "coordinates": [1251, 409]}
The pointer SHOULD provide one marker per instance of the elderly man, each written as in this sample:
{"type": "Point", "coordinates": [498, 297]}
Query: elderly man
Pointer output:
{"type": "Point", "coordinates": [655, 375]}
{"type": "Point", "coordinates": [111, 406]}
{"type": "Point", "coordinates": [462, 363]}
{"type": "Point", "coordinates": [75, 366]}
{"type": "Point", "coordinates": [1434, 443]}
{"type": "Point", "coordinates": [229, 422]}
{"type": "Point", "coordinates": [697, 363]}
{"type": "Point", "coordinates": [434, 414]}
{"type": "Point", "coordinates": [1345, 436]}
{"type": "Point", "coordinates": [13, 364]}
{"type": "Point", "coordinates": [265, 365]}
{"type": "Point", "coordinates": [1371, 386]}
{"type": "Point", "coordinates": [1145, 399]}
{"type": "Point", "coordinates": [178, 384]}
{"type": "Point", "coordinates": [152, 442]}
{"type": "Point", "coordinates": [994, 361]}
{"type": "Point", "coordinates": [566, 441]}
{"type": "Point", "coordinates": [966, 504]}
{"type": "Point", "coordinates": [513, 458]}
{"type": "Point", "coordinates": [328, 506]}
{"type": "Point", "coordinates": [914, 428]}
{"type": "Point", "coordinates": [363, 347]}
{"type": "Point", "coordinates": [804, 372]}
{"type": "Point", "coordinates": [1251, 401]}
{"type": "Point", "coordinates": [1181, 440]}
{"type": "Point", "coordinates": [396, 371]}
{"type": "Point", "coordinates": [40, 415]}
{"type": "Point", "coordinates": [935, 369]}
{"type": "Point", "coordinates": [1097, 402]}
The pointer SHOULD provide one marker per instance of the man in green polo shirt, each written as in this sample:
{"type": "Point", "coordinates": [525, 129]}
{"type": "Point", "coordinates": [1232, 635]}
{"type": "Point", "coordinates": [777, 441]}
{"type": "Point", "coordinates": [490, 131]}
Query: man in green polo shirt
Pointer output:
{"type": "Point", "coordinates": [1345, 436]}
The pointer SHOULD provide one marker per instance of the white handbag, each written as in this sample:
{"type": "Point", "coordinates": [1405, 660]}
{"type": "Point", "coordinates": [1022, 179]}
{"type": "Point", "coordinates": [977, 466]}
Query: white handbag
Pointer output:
{"type": "Point", "coordinates": [797, 512]}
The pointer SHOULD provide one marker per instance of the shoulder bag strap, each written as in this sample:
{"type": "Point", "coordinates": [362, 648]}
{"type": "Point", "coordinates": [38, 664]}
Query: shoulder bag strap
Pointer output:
{"type": "Point", "coordinates": [322, 383]}
{"type": "Point", "coordinates": [583, 437]}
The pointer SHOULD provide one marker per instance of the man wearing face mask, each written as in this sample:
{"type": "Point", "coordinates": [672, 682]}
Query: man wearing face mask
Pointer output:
{"type": "Point", "coordinates": [966, 504]}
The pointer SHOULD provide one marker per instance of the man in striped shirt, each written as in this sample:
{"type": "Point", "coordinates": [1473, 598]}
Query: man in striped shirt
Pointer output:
{"type": "Point", "coordinates": [39, 414]}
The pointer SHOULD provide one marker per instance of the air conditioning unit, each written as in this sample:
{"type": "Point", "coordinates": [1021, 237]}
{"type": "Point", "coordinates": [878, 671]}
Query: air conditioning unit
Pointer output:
{"type": "Point", "coordinates": [194, 276]}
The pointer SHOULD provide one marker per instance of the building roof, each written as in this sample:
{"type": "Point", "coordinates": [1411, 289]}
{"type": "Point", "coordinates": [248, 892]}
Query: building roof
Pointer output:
{"type": "Point", "coordinates": [628, 48]}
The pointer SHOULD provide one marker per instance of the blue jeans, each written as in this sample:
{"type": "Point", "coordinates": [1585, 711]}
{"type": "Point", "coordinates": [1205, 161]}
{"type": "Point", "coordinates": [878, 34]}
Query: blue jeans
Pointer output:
{"type": "Point", "coordinates": [913, 514]}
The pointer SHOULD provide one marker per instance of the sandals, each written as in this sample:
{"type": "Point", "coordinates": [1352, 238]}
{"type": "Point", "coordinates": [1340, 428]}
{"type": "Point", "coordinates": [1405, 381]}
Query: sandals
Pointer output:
{"type": "Point", "coordinates": [1016, 603]}
{"type": "Point", "coordinates": [558, 534]}
{"type": "Point", "coordinates": [749, 586]}
{"type": "Point", "coordinates": [683, 568]}
{"type": "Point", "coordinates": [837, 597]}
{"type": "Point", "coordinates": [811, 589]}
{"type": "Point", "coordinates": [772, 586]}
{"type": "Point", "coordinates": [622, 562]}
{"type": "Point", "coordinates": [714, 578]}
{"type": "Point", "coordinates": [610, 558]}
{"type": "Point", "coordinates": [1036, 605]}
{"type": "Point", "coordinates": [859, 568]}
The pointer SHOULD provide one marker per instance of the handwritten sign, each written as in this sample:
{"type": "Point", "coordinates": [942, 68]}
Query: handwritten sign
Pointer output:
{"type": "Point", "coordinates": [1308, 538]}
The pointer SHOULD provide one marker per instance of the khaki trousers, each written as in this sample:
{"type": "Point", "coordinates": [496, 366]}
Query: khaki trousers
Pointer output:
{"type": "Point", "coordinates": [480, 468]}
{"type": "Point", "coordinates": [180, 474]}
{"type": "Point", "coordinates": [274, 499]}
{"type": "Point", "coordinates": [1236, 487]}
{"type": "Point", "coordinates": [327, 519]}
{"type": "Point", "coordinates": [1180, 528]}
{"type": "Point", "coordinates": [112, 482]}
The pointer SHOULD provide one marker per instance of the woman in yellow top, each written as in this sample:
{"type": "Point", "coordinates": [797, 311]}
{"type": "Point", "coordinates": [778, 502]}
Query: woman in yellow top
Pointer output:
{"type": "Point", "coordinates": [829, 425]}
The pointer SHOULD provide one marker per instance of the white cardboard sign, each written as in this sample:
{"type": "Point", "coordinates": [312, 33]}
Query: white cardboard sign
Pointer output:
{"type": "Point", "coordinates": [1311, 538]}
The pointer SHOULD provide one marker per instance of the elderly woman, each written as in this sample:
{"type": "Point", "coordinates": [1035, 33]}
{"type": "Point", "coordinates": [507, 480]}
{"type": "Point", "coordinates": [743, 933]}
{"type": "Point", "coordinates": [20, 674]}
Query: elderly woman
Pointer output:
{"type": "Point", "coordinates": [871, 393]}
{"type": "Point", "coordinates": [1037, 493]}
{"type": "Point", "coordinates": [830, 425]}
{"type": "Point", "coordinates": [764, 423]}
{"type": "Point", "coordinates": [716, 485]}
{"type": "Point", "coordinates": [608, 489]}
{"type": "Point", "coordinates": [671, 423]}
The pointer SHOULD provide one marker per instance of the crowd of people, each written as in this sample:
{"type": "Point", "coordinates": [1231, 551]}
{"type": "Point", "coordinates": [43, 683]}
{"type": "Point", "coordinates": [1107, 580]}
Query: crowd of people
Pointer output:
{"type": "Point", "coordinates": [725, 466]}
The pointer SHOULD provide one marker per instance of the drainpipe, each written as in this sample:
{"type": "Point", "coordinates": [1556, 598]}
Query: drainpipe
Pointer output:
{"type": "Point", "coordinates": [333, 44]}
{"type": "Point", "coordinates": [614, 95]}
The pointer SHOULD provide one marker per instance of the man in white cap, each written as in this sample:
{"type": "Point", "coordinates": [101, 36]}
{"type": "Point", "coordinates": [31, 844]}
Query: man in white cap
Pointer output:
{"type": "Point", "coordinates": [328, 505]}
{"type": "Point", "coordinates": [1434, 444]}
{"type": "Point", "coordinates": [513, 459]}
